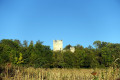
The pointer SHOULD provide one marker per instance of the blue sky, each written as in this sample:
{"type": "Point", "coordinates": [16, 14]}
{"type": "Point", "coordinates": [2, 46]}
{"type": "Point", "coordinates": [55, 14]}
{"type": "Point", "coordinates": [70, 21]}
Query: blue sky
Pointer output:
{"type": "Point", "coordinates": [73, 21]}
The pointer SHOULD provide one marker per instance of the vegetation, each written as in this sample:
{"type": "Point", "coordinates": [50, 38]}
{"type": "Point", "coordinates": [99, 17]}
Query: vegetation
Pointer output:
{"type": "Point", "coordinates": [63, 74]}
{"type": "Point", "coordinates": [39, 55]}
{"type": "Point", "coordinates": [15, 58]}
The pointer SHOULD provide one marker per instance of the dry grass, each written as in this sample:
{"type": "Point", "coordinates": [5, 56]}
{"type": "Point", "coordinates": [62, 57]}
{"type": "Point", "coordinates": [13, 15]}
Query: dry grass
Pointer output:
{"type": "Point", "coordinates": [63, 74]}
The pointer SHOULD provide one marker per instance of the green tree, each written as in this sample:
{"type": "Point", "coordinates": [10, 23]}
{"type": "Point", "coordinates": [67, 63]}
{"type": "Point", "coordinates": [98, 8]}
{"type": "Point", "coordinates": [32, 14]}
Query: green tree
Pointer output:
{"type": "Point", "coordinates": [97, 44]}
{"type": "Point", "coordinates": [107, 58]}
{"type": "Point", "coordinates": [68, 47]}
{"type": "Point", "coordinates": [25, 43]}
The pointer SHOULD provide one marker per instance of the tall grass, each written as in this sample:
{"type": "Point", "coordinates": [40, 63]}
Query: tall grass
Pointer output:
{"type": "Point", "coordinates": [31, 73]}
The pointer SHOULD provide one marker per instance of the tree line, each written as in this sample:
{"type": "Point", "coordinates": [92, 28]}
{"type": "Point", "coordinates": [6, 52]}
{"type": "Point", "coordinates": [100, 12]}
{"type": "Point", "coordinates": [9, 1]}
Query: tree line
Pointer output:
{"type": "Point", "coordinates": [36, 55]}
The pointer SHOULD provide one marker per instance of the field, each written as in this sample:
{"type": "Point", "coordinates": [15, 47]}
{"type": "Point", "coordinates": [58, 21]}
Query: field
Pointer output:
{"type": "Point", "coordinates": [63, 74]}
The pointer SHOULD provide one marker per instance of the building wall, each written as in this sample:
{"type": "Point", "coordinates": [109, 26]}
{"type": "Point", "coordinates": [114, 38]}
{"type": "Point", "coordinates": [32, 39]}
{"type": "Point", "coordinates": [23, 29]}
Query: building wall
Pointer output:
{"type": "Point", "coordinates": [72, 49]}
{"type": "Point", "coordinates": [57, 45]}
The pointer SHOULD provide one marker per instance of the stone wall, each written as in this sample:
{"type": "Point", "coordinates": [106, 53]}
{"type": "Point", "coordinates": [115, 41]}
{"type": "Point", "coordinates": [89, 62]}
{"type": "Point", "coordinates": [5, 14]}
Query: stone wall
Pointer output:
{"type": "Point", "coordinates": [72, 49]}
{"type": "Point", "coordinates": [57, 45]}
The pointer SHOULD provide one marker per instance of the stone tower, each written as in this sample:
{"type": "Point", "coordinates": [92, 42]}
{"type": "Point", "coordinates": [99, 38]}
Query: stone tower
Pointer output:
{"type": "Point", "coordinates": [57, 45]}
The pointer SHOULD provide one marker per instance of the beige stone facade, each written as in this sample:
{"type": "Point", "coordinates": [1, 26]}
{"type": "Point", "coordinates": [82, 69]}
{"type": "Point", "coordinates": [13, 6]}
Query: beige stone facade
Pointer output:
{"type": "Point", "coordinates": [72, 49]}
{"type": "Point", "coordinates": [57, 45]}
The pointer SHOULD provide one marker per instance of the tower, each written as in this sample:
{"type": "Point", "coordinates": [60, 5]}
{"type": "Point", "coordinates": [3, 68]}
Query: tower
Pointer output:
{"type": "Point", "coordinates": [57, 45]}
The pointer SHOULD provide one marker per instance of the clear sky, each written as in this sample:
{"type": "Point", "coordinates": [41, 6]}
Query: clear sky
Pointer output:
{"type": "Point", "coordinates": [73, 21]}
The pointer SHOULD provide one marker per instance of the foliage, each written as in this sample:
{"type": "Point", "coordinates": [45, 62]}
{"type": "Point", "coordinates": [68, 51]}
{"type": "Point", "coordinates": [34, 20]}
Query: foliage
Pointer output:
{"type": "Point", "coordinates": [19, 60]}
{"type": "Point", "coordinates": [39, 55]}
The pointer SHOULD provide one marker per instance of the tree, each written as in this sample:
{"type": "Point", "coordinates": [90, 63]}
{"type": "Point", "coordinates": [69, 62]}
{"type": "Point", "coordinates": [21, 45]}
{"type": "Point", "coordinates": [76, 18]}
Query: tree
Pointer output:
{"type": "Point", "coordinates": [78, 46]}
{"type": "Point", "coordinates": [68, 47]}
{"type": "Point", "coordinates": [69, 59]}
{"type": "Point", "coordinates": [58, 60]}
{"type": "Point", "coordinates": [10, 43]}
{"type": "Point", "coordinates": [97, 44]}
{"type": "Point", "coordinates": [25, 43]}
{"type": "Point", "coordinates": [107, 58]}
{"type": "Point", "coordinates": [44, 54]}
{"type": "Point", "coordinates": [90, 47]}
{"type": "Point", "coordinates": [18, 42]}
